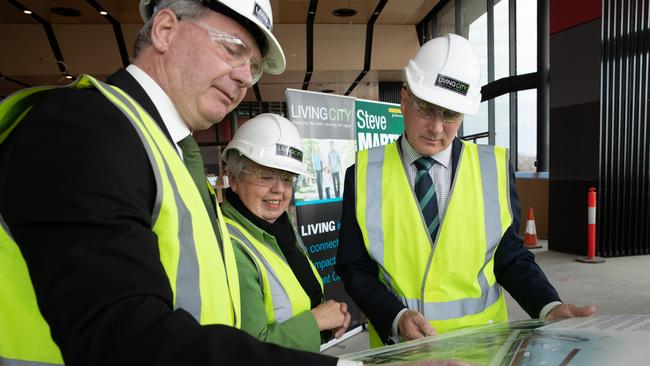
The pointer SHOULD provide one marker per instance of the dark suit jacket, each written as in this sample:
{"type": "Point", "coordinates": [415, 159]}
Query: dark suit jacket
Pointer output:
{"type": "Point", "coordinates": [514, 265]}
{"type": "Point", "coordinates": [77, 191]}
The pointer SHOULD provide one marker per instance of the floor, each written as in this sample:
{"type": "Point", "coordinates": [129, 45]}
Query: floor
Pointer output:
{"type": "Point", "coordinates": [618, 286]}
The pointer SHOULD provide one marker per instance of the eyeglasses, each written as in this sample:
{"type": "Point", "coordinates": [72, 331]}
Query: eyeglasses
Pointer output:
{"type": "Point", "coordinates": [429, 110]}
{"type": "Point", "coordinates": [268, 178]}
{"type": "Point", "coordinates": [233, 50]}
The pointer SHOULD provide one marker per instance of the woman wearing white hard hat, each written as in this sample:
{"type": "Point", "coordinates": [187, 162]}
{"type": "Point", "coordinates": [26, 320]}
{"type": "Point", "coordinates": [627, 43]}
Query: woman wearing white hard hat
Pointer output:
{"type": "Point", "coordinates": [281, 290]}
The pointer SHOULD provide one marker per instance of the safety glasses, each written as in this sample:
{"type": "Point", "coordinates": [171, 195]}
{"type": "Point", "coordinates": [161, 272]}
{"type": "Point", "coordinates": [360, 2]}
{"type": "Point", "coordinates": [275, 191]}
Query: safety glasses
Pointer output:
{"type": "Point", "coordinates": [429, 110]}
{"type": "Point", "coordinates": [233, 50]}
{"type": "Point", "coordinates": [269, 178]}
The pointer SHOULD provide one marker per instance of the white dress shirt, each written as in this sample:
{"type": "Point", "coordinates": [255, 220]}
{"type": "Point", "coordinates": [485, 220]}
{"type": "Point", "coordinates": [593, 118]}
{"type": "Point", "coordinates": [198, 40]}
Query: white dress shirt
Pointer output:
{"type": "Point", "coordinates": [177, 128]}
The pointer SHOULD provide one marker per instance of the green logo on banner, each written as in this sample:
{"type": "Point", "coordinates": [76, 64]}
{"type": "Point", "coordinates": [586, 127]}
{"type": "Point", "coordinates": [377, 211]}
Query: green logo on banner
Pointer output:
{"type": "Point", "coordinates": [377, 123]}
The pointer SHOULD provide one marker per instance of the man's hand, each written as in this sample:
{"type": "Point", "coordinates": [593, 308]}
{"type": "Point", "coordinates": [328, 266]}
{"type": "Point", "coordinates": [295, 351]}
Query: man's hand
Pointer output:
{"type": "Point", "coordinates": [412, 325]}
{"type": "Point", "coordinates": [564, 311]}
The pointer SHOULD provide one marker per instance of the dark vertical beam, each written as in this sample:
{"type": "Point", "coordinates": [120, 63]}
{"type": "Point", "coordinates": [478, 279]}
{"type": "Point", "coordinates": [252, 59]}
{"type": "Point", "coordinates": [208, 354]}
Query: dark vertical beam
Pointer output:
{"type": "Point", "coordinates": [232, 116]}
{"type": "Point", "coordinates": [431, 18]}
{"type": "Point", "coordinates": [627, 131]}
{"type": "Point", "coordinates": [643, 161]}
{"type": "Point", "coordinates": [313, 6]}
{"type": "Point", "coordinates": [434, 28]}
{"type": "Point", "coordinates": [419, 30]}
{"type": "Point", "coordinates": [512, 53]}
{"type": "Point", "coordinates": [490, 67]}
{"type": "Point", "coordinates": [616, 121]}
{"type": "Point", "coordinates": [458, 22]}
{"type": "Point", "coordinates": [458, 16]}
{"type": "Point", "coordinates": [543, 100]}
{"type": "Point", "coordinates": [258, 95]}
{"type": "Point", "coordinates": [117, 30]}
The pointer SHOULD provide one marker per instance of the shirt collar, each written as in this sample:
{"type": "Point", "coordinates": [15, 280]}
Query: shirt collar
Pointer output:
{"type": "Point", "coordinates": [411, 155]}
{"type": "Point", "coordinates": [171, 118]}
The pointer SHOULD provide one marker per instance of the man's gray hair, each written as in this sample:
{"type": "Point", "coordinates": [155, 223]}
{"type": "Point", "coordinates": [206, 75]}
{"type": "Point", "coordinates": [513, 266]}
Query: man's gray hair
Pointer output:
{"type": "Point", "coordinates": [184, 10]}
{"type": "Point", "coordinates": [236, 163]}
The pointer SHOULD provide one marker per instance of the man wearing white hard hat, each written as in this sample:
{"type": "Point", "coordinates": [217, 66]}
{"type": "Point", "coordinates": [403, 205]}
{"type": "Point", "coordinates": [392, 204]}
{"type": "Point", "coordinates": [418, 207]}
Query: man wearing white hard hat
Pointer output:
{"type": "Point", "coordinates": [126, 260]}
{"type": "Point", "coordinates": [428, 236]}
{"type": "Point", "coordinates": [281, 290]}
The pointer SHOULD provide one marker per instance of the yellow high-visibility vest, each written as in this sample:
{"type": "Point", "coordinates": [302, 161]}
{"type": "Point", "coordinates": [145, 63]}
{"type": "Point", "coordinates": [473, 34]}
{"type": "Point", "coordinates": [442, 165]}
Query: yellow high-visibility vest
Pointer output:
{"type": "Point", "coordinates": [284, 297]}
{"type": "Point", "coordinates": [450, 280]}
{"type": "Point", "coordinates": [202, 275]}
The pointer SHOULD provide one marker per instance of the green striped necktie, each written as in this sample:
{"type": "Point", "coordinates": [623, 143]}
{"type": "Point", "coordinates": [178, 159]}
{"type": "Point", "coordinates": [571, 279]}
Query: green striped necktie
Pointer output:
{"type": "Point", "coordinates": [194, 163]}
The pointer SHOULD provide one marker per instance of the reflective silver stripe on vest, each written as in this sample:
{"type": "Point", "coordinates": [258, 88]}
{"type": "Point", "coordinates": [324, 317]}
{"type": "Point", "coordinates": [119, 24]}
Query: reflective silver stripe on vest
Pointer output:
{"type": "Point", "coordinates": [457, 308]}
{"type": "Point", "coordinates": [490, 182]}
{"type": "Point", "coordinates": [281, 304]}
{"type": "Point", "coordinates": [492, 216]}
{"type": "Point", "coordinates": [12, 362]}
{"type": "Point", "coordinates": [373, 207]}
{"type": "Point", "coordinates": [188, 294]}
{"type": "Point", "coordinates": [373, 202]}
{"type": "Point", "coordinates": [5, 227]}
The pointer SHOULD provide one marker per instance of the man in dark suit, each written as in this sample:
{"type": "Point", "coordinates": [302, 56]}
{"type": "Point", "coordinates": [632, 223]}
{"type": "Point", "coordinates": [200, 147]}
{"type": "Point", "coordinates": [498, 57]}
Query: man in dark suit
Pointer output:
{"type": "Point", "coordinates": [430, 193]}
{"type": "Point", "coordinates": [88, 241]}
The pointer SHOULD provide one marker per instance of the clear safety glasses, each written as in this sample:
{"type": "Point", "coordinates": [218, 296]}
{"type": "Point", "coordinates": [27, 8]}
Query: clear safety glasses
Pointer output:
{"type": "Point", "coordinates": [233, 50]}
{"type": "Point", "coordinates": [268, 178]}
{"type": "Point", "coordinates": [429, 110]}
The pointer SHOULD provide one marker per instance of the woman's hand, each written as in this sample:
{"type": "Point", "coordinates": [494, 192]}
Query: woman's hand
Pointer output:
{"type": "Point", "coordinates": [332, 315]}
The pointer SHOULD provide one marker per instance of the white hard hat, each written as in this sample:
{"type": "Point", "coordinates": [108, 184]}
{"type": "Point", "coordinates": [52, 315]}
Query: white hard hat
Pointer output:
{"type": "Point", "coordinates": [269, 140]}
{"type": "Point", "coordinates": [258, 12]}
{"type": "Point", "coordinates": [446, 72]}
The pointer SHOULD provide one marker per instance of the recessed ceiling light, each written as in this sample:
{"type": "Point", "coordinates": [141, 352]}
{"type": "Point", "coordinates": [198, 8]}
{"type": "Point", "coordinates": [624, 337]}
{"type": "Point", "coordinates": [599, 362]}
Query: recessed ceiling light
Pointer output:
{"type": "Point", "coordinates": [344, 12]}
{"type": "Point", "coordinates": [65, 11]}
{"type": "Point", "coordinates": [27, 11]}
{"type": "Point", "coordinates": [103, 12]}
{"type": "Point", "coordinates": [68, 76]}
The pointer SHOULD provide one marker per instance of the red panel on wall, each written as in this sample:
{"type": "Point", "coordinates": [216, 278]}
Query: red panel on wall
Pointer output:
{"type": "Point", "coordinates": [565, 14]}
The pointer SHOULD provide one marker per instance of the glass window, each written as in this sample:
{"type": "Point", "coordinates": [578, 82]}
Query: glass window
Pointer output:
{"type": "Point", "coordinates": [477, 123]}
{"type": "Point", "coordinates": [474, 28]}
{"type": "Point", "coordinates": [526, 36]}
{"type": "Point", "coordinates": [501, 40]}
{"type": "Point", "coordinates": [526, 130]}
{"type": "Point", "coordinates": [446, 19]}
{"type": "Point", "coordinates": [502, 120]}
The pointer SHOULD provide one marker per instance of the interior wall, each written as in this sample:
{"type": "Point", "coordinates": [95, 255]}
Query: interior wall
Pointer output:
{"type": "Point", "coordinates": [533, 193]}
{"type": "Point", "coordinates": [575, 54]}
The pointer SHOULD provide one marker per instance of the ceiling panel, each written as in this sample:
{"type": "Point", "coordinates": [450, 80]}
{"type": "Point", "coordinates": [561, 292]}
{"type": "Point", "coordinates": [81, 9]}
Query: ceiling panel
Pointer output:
{"type": "Point", "coordinates": [405, 11]}
{"type": "Point", "coordinates": [11, 14]}
{"type": "Point", "coordinates": [364, 9]}
{"type": "Point", "coordinates": [123, 10]}
{"type": "Point", "coordinates": [42, 8]}
{"type": "Point", "coordinates": [291, 11]}
{"type": "Point", "coordinates": [26, 51]}
{"type": "Point", "coordinates": [88, 42]}
{"type": "Point", "coordinates": [89, 48]}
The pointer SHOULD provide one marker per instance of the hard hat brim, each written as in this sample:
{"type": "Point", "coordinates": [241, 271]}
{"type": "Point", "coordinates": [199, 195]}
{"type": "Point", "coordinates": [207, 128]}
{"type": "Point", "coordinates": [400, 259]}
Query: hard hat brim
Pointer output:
{"type": "Point", "coordinates": [274, 61]}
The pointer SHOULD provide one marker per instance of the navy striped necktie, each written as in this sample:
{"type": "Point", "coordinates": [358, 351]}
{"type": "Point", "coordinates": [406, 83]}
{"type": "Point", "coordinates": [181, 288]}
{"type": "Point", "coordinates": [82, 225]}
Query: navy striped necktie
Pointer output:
{"type": "Point", "coordinates": [425, 191]}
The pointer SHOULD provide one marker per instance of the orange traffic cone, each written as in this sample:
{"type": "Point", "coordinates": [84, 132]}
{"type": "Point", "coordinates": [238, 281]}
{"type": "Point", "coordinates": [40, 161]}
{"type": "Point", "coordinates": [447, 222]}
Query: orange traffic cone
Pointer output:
{"type": "Point", "coordinates": [530, 238]}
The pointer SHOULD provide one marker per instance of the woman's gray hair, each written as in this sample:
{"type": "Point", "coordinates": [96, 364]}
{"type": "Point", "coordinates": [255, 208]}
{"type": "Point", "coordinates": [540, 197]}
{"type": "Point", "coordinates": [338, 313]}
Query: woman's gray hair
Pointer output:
{"type": "Point", "coordinates": [184, 10]}
{"type": "Point", "coordinates": [236, 163]}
